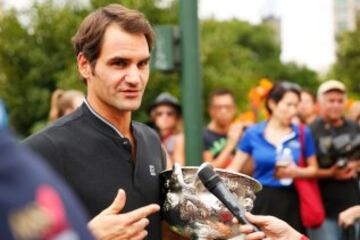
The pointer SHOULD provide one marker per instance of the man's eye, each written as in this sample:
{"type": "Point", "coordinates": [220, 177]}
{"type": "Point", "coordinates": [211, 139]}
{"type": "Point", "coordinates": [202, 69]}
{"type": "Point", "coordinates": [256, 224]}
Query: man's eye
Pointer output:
{"type": "Point", "coordinates": [120, 63]}
{"type": "Point", "coordinates": [143, 63]}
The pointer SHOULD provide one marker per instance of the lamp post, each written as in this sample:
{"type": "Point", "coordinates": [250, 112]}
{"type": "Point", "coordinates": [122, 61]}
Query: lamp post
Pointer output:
{"type": "Point", "coordinates": [191, 85]}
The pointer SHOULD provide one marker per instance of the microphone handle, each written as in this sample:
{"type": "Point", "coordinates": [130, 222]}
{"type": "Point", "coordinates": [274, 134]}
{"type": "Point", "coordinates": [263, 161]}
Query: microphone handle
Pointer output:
{"type": "Point", "coordinates": [230, 202]}
{"type": "Point", "coordinates": [243, 221]}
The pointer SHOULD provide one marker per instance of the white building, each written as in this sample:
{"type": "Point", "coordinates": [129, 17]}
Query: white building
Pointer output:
{"type": "Point", "coordinates": [345, 15]}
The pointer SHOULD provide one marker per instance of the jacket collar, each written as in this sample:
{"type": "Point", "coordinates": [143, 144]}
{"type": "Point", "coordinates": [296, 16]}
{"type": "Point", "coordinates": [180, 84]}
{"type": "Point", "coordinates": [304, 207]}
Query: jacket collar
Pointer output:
{"type": "Point", "coordinates": [101, 122]}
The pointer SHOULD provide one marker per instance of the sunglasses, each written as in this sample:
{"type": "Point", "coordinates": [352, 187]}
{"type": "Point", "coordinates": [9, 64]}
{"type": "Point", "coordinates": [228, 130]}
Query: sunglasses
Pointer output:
{"type": "Point", "coordinates": [225, 107]}
{"type": "Point", "coordinates": [166, 113]}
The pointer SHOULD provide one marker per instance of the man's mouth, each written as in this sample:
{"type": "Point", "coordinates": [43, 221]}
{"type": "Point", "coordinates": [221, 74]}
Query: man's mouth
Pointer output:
{"type": "Point", "coordinates": [131, 93]}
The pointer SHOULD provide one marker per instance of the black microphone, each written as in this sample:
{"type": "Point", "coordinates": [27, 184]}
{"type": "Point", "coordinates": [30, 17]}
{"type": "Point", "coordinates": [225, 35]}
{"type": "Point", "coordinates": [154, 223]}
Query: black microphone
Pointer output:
{"type": "Point", "coordinates": [216, 186]}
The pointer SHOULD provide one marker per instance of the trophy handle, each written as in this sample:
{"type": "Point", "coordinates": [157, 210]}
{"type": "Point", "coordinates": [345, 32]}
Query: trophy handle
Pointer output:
{"type": "Point", "coordinates": [177, 172]}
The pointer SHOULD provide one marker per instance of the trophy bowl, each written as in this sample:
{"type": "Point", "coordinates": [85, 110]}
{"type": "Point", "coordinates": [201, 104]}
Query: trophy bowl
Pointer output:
{"type": "Point", "coordinates": [192, 211]}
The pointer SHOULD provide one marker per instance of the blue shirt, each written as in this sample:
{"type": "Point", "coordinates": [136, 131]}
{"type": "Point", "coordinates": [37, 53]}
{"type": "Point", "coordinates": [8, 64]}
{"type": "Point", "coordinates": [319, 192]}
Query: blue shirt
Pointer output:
{"type": "Point", "coordinates": [3, 116]}
{"type": "Point", "coordinates": [264, 153]}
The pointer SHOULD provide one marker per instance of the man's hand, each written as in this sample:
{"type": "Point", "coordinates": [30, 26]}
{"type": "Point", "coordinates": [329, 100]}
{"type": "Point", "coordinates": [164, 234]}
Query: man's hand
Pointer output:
{"type": "Point", "coordinates": [109, 224]}
{"type": "Point", "coordinates": [271, 227]}
{"type": "Point", "coordinates": [234, 133]}
{"type": "Point", "coordinates": [350, 171]}
{"type": "Point", "coordinates": [348, 217]}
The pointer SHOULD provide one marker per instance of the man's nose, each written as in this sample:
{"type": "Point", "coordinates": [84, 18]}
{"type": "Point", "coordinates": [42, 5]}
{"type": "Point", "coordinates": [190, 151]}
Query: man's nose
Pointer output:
{"type": "Point", "coordinates": [337, 105]}
{"type": "Point", "coordinates": [133, 75]}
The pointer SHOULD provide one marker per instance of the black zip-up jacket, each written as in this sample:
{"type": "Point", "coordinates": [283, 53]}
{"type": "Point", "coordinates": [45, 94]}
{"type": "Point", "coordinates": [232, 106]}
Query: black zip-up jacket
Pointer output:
{"type": "Point", "coordinates": [95, 160]}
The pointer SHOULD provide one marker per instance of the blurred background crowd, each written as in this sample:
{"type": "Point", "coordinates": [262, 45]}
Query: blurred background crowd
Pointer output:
{"type": "Point", "coordinates": [254, 101]}
{"type": "Point", "coordinates": [37, 58]}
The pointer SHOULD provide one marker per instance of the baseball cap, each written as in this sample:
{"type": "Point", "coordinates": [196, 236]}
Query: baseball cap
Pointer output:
{"type": "Point", "coordinates": [331, 85]}
{"type": "Point", "coordinates": [166, 99]}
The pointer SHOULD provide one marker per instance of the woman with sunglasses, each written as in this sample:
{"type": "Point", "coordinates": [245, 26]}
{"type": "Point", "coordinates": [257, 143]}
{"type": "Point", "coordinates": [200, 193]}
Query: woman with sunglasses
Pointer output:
{"type": "Point", "coordinates": [267, 145]}
{"type": "Point", "coordinates": [165, 115]}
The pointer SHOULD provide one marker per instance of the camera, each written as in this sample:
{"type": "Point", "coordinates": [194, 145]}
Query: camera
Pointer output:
{"type": "Point", "coordinates": [344, 148]}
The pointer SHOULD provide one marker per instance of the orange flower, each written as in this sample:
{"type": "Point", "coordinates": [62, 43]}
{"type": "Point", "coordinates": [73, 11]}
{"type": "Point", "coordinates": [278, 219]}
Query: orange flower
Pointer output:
{"type": "Point", "coordinates": [246, 117]}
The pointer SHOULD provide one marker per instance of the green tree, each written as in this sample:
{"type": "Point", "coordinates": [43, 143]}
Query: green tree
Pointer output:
{"type": "Point", "coordinates": [36, 58]}
{"type": "Point", "coordinates": [347, 66]}
{"type": "Point", "coordinates": [152, 9]}
{"type": "Point", "coordinates": [236, 55]}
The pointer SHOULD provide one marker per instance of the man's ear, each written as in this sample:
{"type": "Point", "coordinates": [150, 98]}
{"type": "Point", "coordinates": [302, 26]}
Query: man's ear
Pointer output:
{"type": "Point", "coordinates": [210, 111]}
{"type": "Point", "coordinates": [84, 66]}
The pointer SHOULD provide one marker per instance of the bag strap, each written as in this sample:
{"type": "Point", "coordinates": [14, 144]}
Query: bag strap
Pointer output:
{"type": "Point", "coordinates": [302, 162]}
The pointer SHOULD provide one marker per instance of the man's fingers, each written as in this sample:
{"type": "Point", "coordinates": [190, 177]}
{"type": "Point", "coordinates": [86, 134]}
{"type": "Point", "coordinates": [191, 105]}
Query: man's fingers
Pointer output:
{"type": "Point", "coordinates": [342, 224]}
{"type": "Point", "coordinates": [134, 229]}
{"type": "Point", "coordinates": [258, 219]}
{"type": "Point", "coordinates": [246, 229]}
{"type": "Point", "coordinates": [141, 235]}
{"type": "Point", "coordinates": [255, 236]}
{"type": "Point", "coordinates": [346, 223]}
{"type": "Point", "coordinates": [346, 175]}
{"type": "Point", "coordinates": [117, 205]}
{"type": "Point", "coordinates": [140, 213]}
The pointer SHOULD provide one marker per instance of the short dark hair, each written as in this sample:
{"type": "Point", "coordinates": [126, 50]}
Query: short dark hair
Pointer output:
{"type": "Point", "coordinates": [89, 37]}
{"type": "Point", "coordinates": [310, 93]}
{"type": "Point", "coordinates": [219, 92]}
{"type": "Point", "coordinates": [278, 91]}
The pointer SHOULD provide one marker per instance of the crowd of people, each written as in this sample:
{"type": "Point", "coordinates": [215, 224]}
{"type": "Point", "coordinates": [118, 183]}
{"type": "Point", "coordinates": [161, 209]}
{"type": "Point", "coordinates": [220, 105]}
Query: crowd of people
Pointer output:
{"type": "Point", "coordinates": [112, 163]}
{"type": "Point", "coordinates": [331, 150]}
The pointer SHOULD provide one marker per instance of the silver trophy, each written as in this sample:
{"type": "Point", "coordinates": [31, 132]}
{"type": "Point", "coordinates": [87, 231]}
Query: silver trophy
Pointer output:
{"type": "Point", "coordinates": [192, 211]}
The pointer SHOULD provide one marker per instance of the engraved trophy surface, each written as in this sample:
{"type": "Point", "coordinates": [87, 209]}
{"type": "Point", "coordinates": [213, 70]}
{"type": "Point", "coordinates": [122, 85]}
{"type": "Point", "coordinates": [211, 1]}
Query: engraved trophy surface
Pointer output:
{"type": "Point", "coordinates": [192, 211]}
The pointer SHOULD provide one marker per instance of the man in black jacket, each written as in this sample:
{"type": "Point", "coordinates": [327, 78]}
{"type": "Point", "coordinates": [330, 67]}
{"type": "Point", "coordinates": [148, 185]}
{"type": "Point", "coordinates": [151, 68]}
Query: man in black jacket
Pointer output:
{"type": "Point", "coordinates": [334, 136]}
{"type": "Point", "coordinates": [98, 149]}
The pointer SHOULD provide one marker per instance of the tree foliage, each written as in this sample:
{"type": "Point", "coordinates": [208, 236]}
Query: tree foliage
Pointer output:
{"type": "Point", "coordinates": [236, 55]}
{"type": "Point", "coordinates": [347, 66]}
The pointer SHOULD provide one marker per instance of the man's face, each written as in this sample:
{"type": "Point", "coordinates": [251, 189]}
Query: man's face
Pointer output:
{"type": "Point", "coordinates": [121, 73]}
{"type": "Point", "coordinates": [332, 105]}
{"type": "Point", "coordinates": [222, 109]}
{"type": "Point", "coordinates": [307, 106]}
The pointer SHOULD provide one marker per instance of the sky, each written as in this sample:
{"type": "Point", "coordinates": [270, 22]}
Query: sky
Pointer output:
{"type": "Point", "coordinates": [308, 32]}
{"type": "Point", "coordinates": [16, 3]}
{"type": "Point", "coordinates": [306, 29]}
